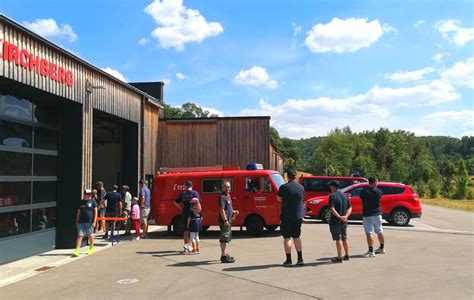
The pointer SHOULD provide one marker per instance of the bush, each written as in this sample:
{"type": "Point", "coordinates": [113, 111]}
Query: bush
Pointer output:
{"type": "Point", "coordinates": [434, 188]}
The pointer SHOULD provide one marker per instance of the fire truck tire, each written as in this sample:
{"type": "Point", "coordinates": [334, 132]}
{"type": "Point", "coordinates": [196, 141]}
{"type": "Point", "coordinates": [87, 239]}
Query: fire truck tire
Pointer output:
{"type": "Point", "coordinates": [178, 226]}
{"type": "Point", "coordinates": [271, 227]}
{"type": "Point", "coordinates": [254, 225]}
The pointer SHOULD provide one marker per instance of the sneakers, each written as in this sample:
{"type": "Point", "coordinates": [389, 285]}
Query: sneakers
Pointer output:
{"type": "Point", "coordinates": [187, 248]}
{"type": "Point", "coordinates": [300, 263]}
{"type": "Point", "coordinates": [337, 260]}
{"type": "Point", "coordinates": [346, 257]}
{"type": "Point", "coordinates": [369, 254]}
{"type": "Point", "coordinates": [91, 250]}
{"type": "Point", "coordinates": [227, 259]}
{"type": "Point", "coordinates": [193, 252]}
{"type": "Point", "coordinates": [287, 263]}
{"type": "Point", "coordinates": [76, 252]}
{"type": "Point", "coordinates": [136, 238]}
{"type": "Point", "coordinates": [105, 236]}
{"type": "Point", "coordinates": [380, 251]}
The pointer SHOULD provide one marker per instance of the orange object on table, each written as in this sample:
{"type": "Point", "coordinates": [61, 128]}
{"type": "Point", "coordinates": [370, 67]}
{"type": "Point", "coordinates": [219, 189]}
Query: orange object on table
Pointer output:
{"type": "Point", "coordinates": [111, 219]}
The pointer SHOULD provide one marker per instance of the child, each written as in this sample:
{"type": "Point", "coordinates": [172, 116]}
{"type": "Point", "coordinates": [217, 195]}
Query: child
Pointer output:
{"type": "Point", "coordinates": [195, 224]}
{"type": "Point", "coordinates": [86, 218]}
{"type": "Point", "coordinates": [135, 213]}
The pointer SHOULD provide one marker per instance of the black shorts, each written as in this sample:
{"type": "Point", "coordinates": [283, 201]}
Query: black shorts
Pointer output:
{"type": "Point", "coordinates": [338, 231]}
{"type": "Point", "coordinates": [291, 229]}
{"type": "Point", "coordinates": [185, 222]}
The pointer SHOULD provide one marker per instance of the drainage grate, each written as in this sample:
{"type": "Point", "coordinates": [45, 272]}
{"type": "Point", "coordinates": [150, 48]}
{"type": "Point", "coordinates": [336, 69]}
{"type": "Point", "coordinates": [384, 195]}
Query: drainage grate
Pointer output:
{"type": "Point", "coordinates": [45, 268]}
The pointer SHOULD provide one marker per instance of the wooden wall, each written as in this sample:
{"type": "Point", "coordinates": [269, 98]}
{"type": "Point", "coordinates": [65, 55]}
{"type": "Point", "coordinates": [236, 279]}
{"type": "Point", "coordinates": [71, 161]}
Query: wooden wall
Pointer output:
{"type": "Point", "coordinates": [150, 142]}
{"type": "Point", "coordinates": [276, 160]}
{"type": "Point", "coordinates": [216, 141]}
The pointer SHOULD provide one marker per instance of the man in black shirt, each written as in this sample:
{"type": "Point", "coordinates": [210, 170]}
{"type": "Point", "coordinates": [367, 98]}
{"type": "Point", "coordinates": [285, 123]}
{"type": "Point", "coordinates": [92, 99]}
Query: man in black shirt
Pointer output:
{"type": "Point", "coordinates": [291, 197]}
{"type": "Point", "coordinates": [114, 208]}
{"type": "Point", "coordinates": [341, 209]}
{"type": "Point", "coordinates": [86, 218]}
{"type": "Point", "coordinates": [372, 216]}
{"type": "Point", "coordinates": [226, 215]}
{"type": "Point", "coordinates": [184, 202]}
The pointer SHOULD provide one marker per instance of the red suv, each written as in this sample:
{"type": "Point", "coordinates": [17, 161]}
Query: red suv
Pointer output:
{"type": "Point", "coordinates": [399, 203]}
{"type": "Point", "coordinates": [315, 186]}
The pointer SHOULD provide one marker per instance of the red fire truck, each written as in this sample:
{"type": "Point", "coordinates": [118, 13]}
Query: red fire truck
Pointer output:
{"type": "Point", "coordinates": [254, 195]}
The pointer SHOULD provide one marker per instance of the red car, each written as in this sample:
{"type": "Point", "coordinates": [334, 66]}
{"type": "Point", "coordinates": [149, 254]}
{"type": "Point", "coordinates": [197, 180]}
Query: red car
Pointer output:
{"type": "Point", "coordinates": [399, 203]}
{"type": "Point", "coordinates": [315, 186]}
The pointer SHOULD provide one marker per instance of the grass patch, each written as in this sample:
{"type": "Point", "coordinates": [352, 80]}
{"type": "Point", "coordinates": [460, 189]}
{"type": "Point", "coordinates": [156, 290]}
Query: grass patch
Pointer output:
{"type": "Point", "coordinates": [466, 205]}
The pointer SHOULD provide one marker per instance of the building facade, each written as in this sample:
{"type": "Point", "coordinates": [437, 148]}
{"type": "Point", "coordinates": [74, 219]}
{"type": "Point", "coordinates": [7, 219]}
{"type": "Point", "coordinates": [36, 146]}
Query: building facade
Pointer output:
{"type": "Point", "coordinates": [64, 124]}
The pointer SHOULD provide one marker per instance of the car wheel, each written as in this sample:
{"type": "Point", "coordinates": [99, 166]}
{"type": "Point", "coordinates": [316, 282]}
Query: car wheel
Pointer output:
{"type": "Point", "coordinates": [271, 227]}
{"type": "Point", "coordinates": [178, 226]}
{"type": "Point", "coordinates": [400, 217]}
{"type": "Point", "coordinates": [325, 215]}
{"type": "Point", "coordinates": [254, 225]}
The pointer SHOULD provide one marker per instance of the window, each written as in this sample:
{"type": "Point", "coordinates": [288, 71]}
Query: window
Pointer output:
{"type": "Point", "coordinates": [215, 185]}
{"type": "Point", "coordinates": [15, 135]}
{"type": "Point", "coordinates": [46, 139]}
{"type": "Point", "coordinates": [15, 108]}
{"type": "Point", "coordinates": [45, 114]}
{"type": "Point", "coordinates": [316, 185]}
{"type": "Point", "coordinates": [258, 184]}
{"type": "Point", "coordinates": [45, 165]}
{"type": "Point", "coordinates": [44, 218]}
{"type": "Point", "coordinates": [13, 223]}
{"type": "Point", "coordinates": [44, 191]}
{"type": "Point", "coordinates": [278, 180]}
{"type": "Point", "coordinates": [397, 190]}
{"type": "Point", "coordinates": [386, 190]}
{"type": "Point", "coordinates": [15, 164]}
{"type": "Point", "coordinates": [15, 193]}
{"type": "Point", "coordinates": [356, 192]}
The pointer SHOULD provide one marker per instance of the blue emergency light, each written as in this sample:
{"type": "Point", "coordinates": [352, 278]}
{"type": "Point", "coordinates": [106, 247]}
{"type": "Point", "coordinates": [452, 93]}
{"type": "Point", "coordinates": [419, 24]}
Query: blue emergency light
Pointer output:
{"type": "Point", "coordinates": [254, 166]}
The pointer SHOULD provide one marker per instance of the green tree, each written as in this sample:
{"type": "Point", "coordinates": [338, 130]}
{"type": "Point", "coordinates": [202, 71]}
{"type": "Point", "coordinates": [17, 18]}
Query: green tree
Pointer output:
{"type": "Point", "coordinates": [336, 151]}
{"type": "Point", "coordinates": [448, 172]}
{"type": "Point", "coordinates": [186, 111]}
{"type": "Point", "coordinates": [275, 136]}
{"type": "Point", "coordinates": [462, 181]}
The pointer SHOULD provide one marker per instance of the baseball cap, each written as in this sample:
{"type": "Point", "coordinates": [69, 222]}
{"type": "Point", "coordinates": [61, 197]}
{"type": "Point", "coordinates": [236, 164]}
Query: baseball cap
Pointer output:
{"type": "Point", "coordinates": [335, 183]}
{"type": "Point", "coordinates": [87, 191]}
{"type": "Point", "coordinates": [188, 183]}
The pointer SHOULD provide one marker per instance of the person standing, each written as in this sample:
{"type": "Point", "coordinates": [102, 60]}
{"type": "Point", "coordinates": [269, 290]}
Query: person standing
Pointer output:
{"type": "Point", "coordinates": [145, 206]}
{"type": "Point", "coordinates": [113, 209]}
{"type": "Point", "coordinates": [183, 202]}
{"type": "Point", "coordinates": [99, 186]}
{"type": "Point", "coordinates": [372, 216]}
{"type": "Point", "coordinates": [195, 225]}
{"type": "Point", "coordinates": [86, 218]}
{"type": "Point", "coordinates": [135, 215]}
{"type": "Point", "coordinates": [127, 199]}
{"type": "Point", "coordinates": [291, 196]}
{"type": "Point", "coordinates": [341, 209]}
{"type": "Point", "coordinates": [226, 215]}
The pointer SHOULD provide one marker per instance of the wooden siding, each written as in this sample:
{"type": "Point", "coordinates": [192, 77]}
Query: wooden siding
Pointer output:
{"type": "Point", "coordinates": [150, 143]}
{"type": "Point", "coordinates": [116, 98]}
{"type": "Point", "coordinates": [216, 141]}
{"type": "Point", "coordinates": [276, 160]}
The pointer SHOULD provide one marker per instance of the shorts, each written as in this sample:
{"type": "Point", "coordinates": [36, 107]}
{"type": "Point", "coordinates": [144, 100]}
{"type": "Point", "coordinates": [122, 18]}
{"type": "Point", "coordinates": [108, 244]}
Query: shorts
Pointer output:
{"type": "Point", "coordinates": [338, 231]}
{"type": "Point", "coordinates": [194, 236]}
{"type": "Point", "coordinates": [102, 212]}
{"type": "Point", "coordinates": [291, 229]}
{"type": "Point", "coordinates": [112, 214]}
{"type": "Point", "coordinates": [84, 229]}
{"type": "Point", "coordinates": [144, 213]}
{"type": "Point", "coordinates": [185, 222]}
{"type": "Point", "coordinates": [225, 235]}
{"type": "Point", "coordinates": [372, 223]}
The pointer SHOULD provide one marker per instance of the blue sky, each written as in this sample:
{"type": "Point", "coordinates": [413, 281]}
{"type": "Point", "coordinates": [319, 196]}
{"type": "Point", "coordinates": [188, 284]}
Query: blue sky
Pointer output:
{"type": "Point", "coordinates": [311, 65]}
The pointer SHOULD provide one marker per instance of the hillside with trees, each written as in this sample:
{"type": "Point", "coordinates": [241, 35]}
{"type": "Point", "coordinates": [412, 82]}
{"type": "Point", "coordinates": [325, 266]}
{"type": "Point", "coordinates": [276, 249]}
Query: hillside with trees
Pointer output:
{"type": "Point", "coordinates": [434, 165]}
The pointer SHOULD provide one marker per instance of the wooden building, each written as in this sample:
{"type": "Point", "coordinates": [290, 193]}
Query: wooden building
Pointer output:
{"type": "Point", "coordinates": [64, 124]}
{"type": "Point", "coordinates": [217, 141]}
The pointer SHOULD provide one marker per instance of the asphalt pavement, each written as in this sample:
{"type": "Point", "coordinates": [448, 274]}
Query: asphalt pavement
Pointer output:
{"type": "Point", "coordinates": [422, 262]}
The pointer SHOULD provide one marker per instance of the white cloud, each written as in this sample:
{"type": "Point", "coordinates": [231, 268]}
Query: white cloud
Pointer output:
{"type": "Point", "coordinates": [143, 41]}
{"type": "Point", "coordinates": [181, 76]}
{"type": "Point", "coordinates": [418, 131]}
{"type": "Point", "coordinates": [419, 23]}
{"type": "Point", "coordinates": [296, 29]}
{"type": "Point", "coordinates": [213, 111]}
{"type": "Point", "coordinates": [314, 117]}
{"type": "Point", "coordinates": [409, 75]}
{"type": "Point", "coordinates": [178, 25]}
{"type": "Point", "coordinates": [49, 28]}
{"type": "Point", "coordinates": [343, 35]}
{"type": "Point", "coordinates": [388, 28]}
{"type": "Point", "coordinates": [438, 57]}
{"type": "Point", "coordinates": [114, 73]}
{"type": "Point", "coordinates": [451, 29]}
{"type": "Point", "coordinates": [459, 121]}
{"type": "Point", "coordinates": [462, 73]}
{"type": "Point", "coordinates": [255, 76]}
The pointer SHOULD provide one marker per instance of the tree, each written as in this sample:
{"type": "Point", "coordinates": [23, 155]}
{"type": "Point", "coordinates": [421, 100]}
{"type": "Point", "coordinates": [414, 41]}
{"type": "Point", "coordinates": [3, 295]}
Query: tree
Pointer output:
{"type": "Point", "coordinates": [336, 151]}
{"type": "Point", "coordinates": [462, 181]}
{"type": "Point", "coordinates": [186, 111]}
{"type": "Point", "coordinates": [275, 136]}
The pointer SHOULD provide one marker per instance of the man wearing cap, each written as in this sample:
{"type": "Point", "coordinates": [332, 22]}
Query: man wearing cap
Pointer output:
{"type": "Point", "coordinates": [145, 206]}
{"type": "Point", "coordinates": [341, 209]}
{"type": "Point", "coordinates": [291, 196]}
{"type": "Point", "coordinates": [114, 208]}
{"type": "Point", "coordinates": [86, 218]}
{"type": "Point", "coordinates": [184, 202]}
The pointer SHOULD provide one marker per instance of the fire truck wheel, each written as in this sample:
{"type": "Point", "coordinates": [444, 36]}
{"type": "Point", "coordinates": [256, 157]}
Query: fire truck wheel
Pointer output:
{"type": "Point", "coordinates": [178, 226]}
{"type": "Point", "coordinates": [254, 225]}
{"type": "Point", "coordinates": [271, 227]}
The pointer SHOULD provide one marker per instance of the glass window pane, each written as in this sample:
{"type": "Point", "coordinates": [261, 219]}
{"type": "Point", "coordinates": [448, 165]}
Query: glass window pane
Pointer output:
{"type": "Point", "coordinates": [13, 223]}
{"type": "Point", "coordinates": [214, 185]}
{"type": "Point", "coordinates": [13, 107]}
{"type": "Point", "coordinates": [45, 113]}
{"type": "Point", "coordinates": [45, 165]}
{"type": "Point", "coordinates": [44, 191]}
{"type": "Point", "coordinates": [46, 139]}
{"type": "Point", "coordinates": [15, 164]}
{"type": "Point", "coordinates": [44, 218]}
{"type": "Point", "coordinates": [15, 193]}
{"type": "Point", "coordinates": [386, 190]}
{"type": "Point", "coordinates": [15, 135]}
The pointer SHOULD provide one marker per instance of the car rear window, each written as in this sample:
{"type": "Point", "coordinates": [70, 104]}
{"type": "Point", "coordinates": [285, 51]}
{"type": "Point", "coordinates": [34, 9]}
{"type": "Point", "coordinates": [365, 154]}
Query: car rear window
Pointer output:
{"type": "Point", "coordinates": [390, 190]}
{"type": "Point", "coordinates": [397, 190]}
{"type": "Point", "coordinates": [316, 185]}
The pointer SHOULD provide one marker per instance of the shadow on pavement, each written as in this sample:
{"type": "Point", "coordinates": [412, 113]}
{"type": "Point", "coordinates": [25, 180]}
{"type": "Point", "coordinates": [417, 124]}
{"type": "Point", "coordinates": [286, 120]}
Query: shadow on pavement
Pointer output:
{"type": "Point", "coordinates": [195, 263]}
{"type": "Point", "coordinates": [329, 258]}
{"type": "Point", "coordinates": [213, 234]}
{"type": "Point", "coordinates": [262, 267]}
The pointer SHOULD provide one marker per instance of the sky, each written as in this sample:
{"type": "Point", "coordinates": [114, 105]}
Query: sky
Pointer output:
{"type": "Point", "coordinates": [310, 65]}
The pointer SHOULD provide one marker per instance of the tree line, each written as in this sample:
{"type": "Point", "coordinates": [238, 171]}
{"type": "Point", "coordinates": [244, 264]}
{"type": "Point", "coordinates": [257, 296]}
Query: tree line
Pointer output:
{"type": "Point", "coordinates": [435, 165]}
